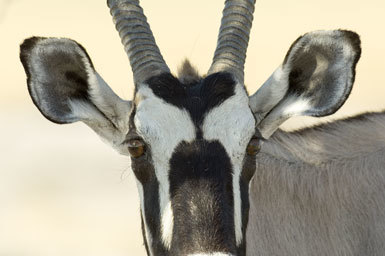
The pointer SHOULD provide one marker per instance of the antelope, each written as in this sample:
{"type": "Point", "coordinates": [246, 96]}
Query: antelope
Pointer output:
{"type": "Point", "coordinates": [215, 174]}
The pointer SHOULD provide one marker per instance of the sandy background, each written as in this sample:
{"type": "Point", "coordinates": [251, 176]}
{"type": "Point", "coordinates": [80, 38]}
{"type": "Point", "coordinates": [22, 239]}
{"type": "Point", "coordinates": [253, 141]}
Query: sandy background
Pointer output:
{"type": "Point", "coordinates": [62, 191]}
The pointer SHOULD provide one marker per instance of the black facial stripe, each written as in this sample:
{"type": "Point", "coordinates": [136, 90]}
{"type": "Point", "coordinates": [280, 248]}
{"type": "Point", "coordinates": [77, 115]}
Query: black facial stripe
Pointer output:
{"type": "Point", "coordinates": [152, 214]}
{"type": "Point", "coordinates": [248, 171]}
{"type": "Point", "coordinates": [199, 98]}
{"type": "Point", "coordinates": [144, 233]}
{"type": "Point", "coordinates": [131, 123]}
{"type": "Point", "coordinates": [145, 173]}
{"type": "Point", "coordinates": [200, 175]}
{"type": "Point", "coordinates": [202, 198]}
{"type": "Point", "coordinates": [208, 179]}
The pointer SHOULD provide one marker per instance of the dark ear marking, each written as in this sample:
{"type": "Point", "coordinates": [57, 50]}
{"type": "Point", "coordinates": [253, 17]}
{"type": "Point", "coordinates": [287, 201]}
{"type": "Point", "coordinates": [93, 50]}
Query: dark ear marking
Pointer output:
{"type": "Point", "coordinates": [290, 49]}
{"type": "Point", "coordinates": [25, 50]}
{"type": "Point", "coordinates": [65, 87]}
{"type": "Point", "coordinates": [56, 74]}
{"type": "Point", "coordinates": [355, 42]}
{"type": "Point", "coordinates": [306, 61]}
{"type": "Point", "coordinates": [315, 79]}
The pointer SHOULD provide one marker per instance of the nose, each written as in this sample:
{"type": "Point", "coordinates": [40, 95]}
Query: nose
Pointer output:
{"type": "Point", "coordinates": [201, 191]}
{"type": "Point", "coordinates": [203, 219]}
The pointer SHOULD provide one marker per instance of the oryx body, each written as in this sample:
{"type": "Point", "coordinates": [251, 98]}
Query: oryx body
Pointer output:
{"type": "Point", "coordinates": [214, 175]}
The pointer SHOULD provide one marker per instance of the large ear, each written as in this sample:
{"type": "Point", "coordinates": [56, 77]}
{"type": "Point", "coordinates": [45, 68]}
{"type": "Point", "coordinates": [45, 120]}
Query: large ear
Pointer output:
{"type": "Point", "coordinates": [315, 79]}
{"type": "Point", "coordinates": [65, 87]}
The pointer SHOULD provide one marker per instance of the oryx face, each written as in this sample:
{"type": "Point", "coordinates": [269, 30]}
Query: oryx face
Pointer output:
{"type": "Point", "coordinates": [194, 172]}
{"type": "Point", "coordinates": [192, 141]}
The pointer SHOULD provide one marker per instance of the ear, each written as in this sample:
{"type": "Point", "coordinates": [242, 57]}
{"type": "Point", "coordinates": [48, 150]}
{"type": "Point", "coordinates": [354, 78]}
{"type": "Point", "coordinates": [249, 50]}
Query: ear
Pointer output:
{"type": "Point", "coordinates": [65, 87]}
{"type": "Point", "coordinates": [315, 79]}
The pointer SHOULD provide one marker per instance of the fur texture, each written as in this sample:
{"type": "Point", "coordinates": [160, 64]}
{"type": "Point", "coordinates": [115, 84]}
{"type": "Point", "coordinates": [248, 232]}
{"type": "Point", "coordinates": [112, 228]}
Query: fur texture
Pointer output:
{"type": "Point", "coordinates": [315, 79]}
{"type": "Point", "coordinates": [65, 87]}
{"type": "Point", "coordinates": [321, 191]}
{"type": "Point", "coordinates": [318, 191]}
{"type": "Point", "coordinates": [190, 131]}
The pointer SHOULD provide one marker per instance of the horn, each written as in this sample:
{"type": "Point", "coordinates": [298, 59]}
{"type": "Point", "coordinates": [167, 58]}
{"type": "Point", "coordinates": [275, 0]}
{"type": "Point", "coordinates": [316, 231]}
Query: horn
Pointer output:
{"type": "Point", "coordinates": [233, 38]}
{"type": "Point", "coordinates": [139, 43]}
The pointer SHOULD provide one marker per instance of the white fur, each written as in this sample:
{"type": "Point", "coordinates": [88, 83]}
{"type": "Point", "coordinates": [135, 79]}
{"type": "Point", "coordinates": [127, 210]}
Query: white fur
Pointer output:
{"type": "Point", "coordinates": [90, 115]}
{"type": "Point", "coordinates": [163, 126]}
{"type": "Point", "coordinates": [146, 231]}
{"type": "Point", "coordinates": [112, 106]}
{"type": "Point", "coordinates": [108, 102]}
{"type": "Point", "coordinates": [270, 93]}
{"type": "Point", "coordinates": [232, 123]}
{"type": "Point", "coordinates": [167, 225]}
{"type": "Point", "coordinates": [296, 106]}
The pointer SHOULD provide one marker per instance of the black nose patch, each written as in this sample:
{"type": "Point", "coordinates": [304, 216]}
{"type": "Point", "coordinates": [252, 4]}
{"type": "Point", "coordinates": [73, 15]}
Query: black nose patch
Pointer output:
{"type": "Point", "coordinates": [202, 197]}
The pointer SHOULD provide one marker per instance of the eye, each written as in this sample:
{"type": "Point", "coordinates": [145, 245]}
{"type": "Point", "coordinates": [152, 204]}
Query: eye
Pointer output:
{"type": "Point", "coordinates": [136, 147]}
{"type": "Point", "coordinates": [253, 147]}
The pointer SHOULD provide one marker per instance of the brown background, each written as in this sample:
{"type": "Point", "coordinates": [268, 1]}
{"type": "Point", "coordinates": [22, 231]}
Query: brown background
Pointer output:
{"type": "Point", "coordinates": [62, 191]}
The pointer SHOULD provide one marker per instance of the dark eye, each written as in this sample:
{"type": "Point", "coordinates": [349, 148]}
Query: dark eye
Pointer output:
{"type": "Point", "coordinates": [136, 147]}
{"type": "Point", "coordinates": [254, 147]}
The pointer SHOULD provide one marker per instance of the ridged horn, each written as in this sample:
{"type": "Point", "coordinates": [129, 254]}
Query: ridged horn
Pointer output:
{"type": "Point", "coordinates": [233, 38]}
{"type": "Point", "coordinates": [139, 43]}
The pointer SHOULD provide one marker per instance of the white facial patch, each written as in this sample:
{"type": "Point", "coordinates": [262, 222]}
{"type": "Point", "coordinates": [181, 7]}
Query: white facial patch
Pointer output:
{"type": "Point", "coordinates": [162, 126]}
{"type": "Point", "coordinates": [232, 124]}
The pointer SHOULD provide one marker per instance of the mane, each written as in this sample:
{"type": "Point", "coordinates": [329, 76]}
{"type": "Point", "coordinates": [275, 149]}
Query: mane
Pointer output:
{"type": "Point", "coordinates": [351, 137]}
{"type": "Point", "coordinates": [187, 73]}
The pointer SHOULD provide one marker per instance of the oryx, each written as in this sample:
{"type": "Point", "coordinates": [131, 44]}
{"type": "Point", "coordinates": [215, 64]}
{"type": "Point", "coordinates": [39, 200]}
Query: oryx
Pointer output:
{"type": "Point", "coordinates": [215, 175]}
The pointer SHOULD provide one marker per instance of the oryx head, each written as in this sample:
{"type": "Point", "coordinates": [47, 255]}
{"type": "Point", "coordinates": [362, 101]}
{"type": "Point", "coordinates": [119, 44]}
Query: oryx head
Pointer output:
{"type": "Point", "coordinates": [192, 140]}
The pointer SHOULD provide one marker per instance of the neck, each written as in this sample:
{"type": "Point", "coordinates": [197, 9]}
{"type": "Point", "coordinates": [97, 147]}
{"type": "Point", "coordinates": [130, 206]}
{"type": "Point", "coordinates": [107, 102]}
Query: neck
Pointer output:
{"type": "Point", "coordinates": [306, 181]}
{"type": "Point", "coordinates": [342, 140]}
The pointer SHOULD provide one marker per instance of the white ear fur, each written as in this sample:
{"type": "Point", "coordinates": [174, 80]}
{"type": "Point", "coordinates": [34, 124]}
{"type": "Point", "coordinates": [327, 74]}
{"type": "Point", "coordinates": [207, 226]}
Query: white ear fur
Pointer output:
{"type": "Point", "coordinates": [110, 118]}
{"type": "Point", "coordinates": [269, 94]}
{"type": "Point", "coordinates": [315, 79]}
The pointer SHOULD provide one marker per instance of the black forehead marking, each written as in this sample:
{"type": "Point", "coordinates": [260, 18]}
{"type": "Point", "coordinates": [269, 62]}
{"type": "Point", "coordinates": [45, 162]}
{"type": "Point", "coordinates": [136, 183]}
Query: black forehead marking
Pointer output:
{"type": "Point", "coordinates": [197, 98]}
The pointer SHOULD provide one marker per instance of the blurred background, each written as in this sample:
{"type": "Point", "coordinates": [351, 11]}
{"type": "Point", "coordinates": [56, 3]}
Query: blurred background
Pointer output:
{"type": "Point", "coordinates": [62, 191]}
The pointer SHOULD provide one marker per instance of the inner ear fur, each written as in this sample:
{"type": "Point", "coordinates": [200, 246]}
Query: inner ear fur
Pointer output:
{"type": "Point", "coordinates": [65, 87]}
{"type": "Point", "coordinates": [315, 79]}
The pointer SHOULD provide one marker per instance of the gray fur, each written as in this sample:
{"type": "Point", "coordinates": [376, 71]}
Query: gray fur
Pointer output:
{"type": "Point", "coordinates": [321, 191]}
